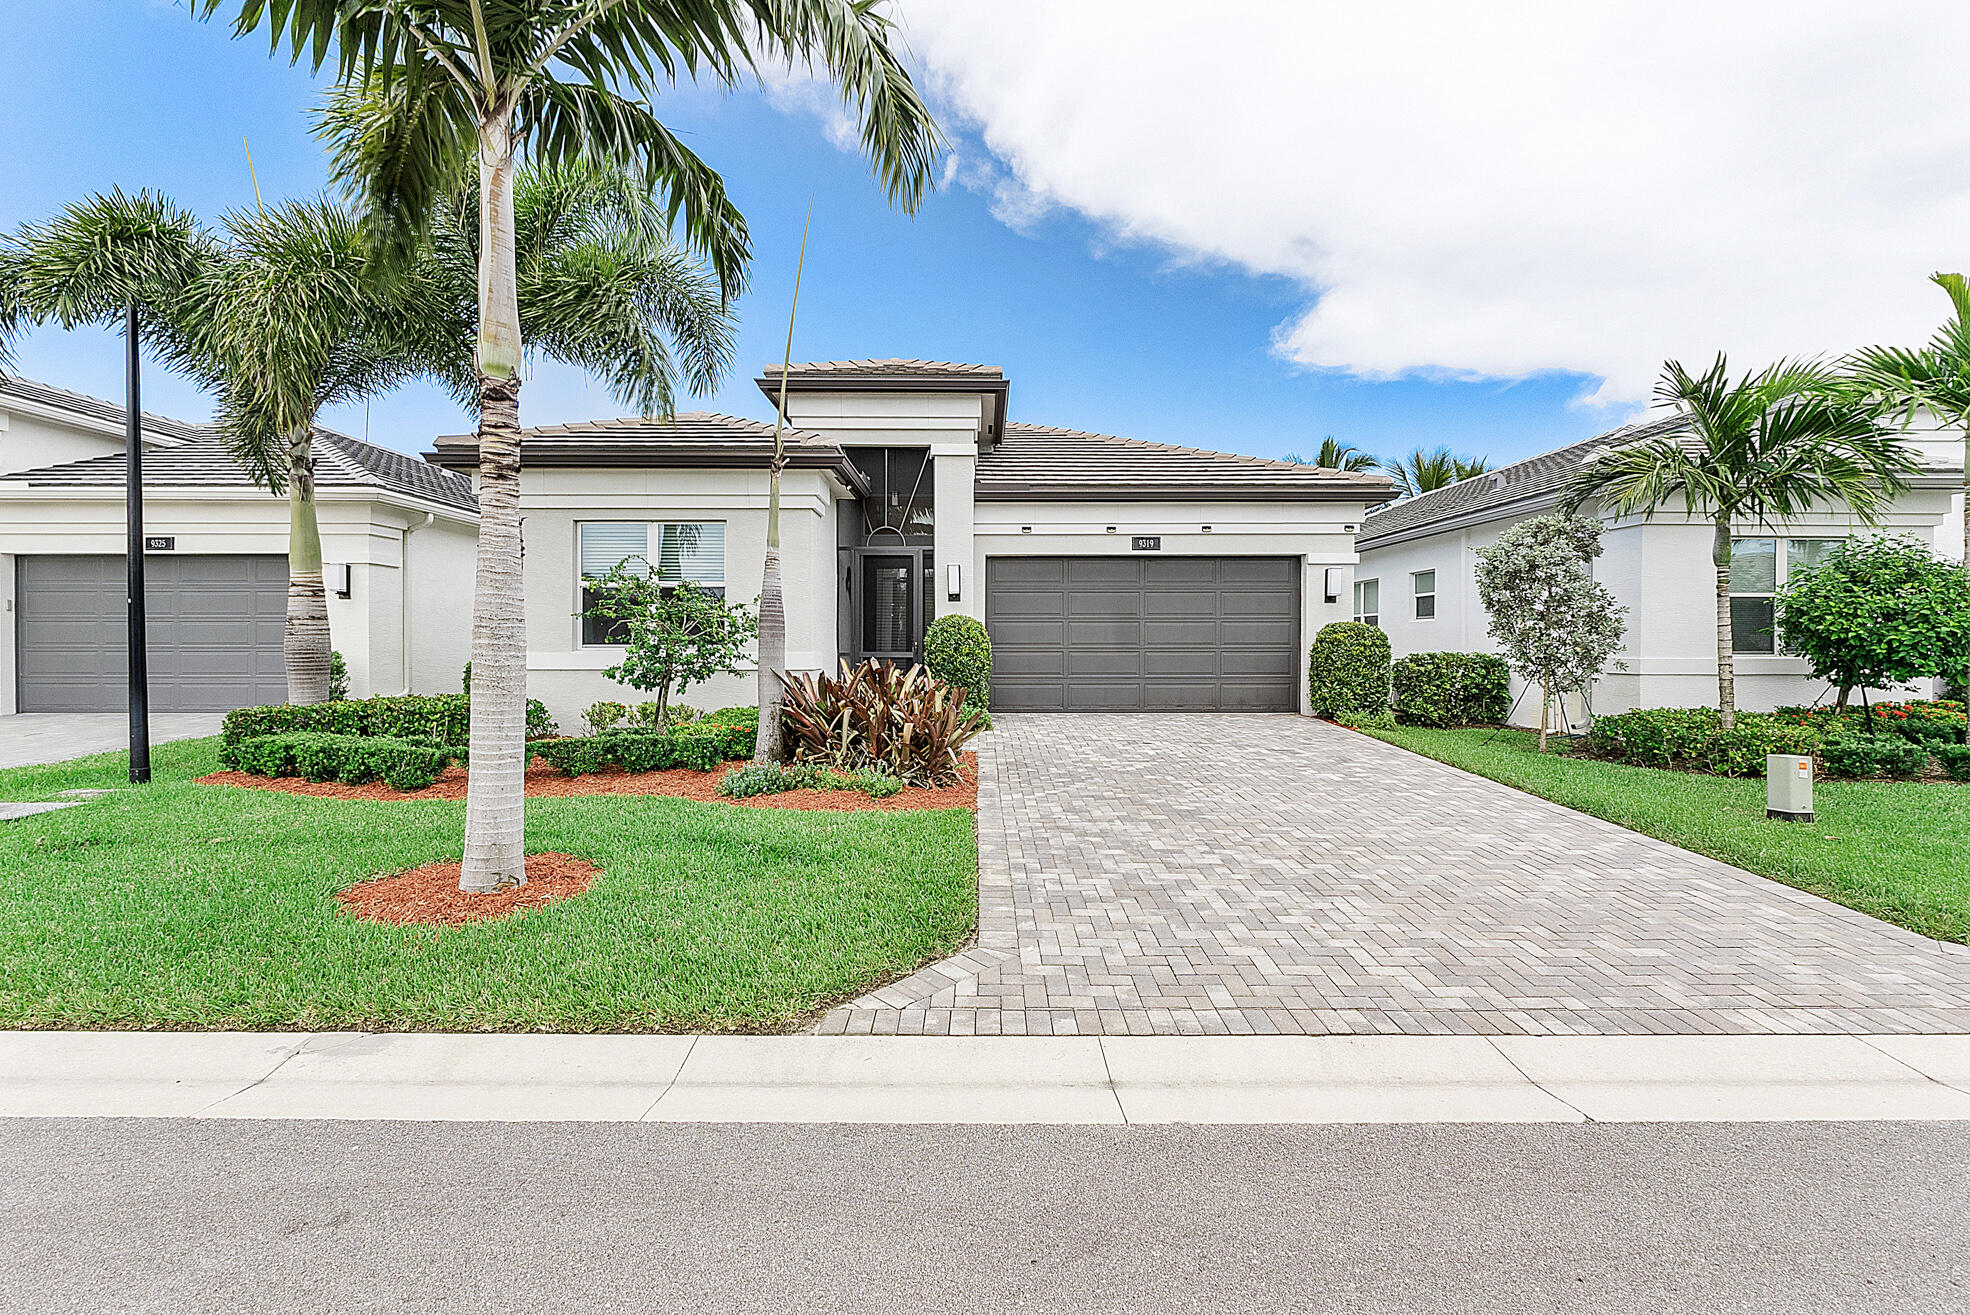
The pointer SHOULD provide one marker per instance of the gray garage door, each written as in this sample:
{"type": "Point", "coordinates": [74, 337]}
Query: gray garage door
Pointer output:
{"type": "Point", "coordinates": [1129, 634]}
{"type": "Point", "coordinates": [214, 623]}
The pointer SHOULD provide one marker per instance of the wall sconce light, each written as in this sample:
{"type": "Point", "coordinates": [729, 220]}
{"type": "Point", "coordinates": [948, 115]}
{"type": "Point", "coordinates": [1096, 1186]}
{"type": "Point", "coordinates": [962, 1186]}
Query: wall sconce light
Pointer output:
{"type": "Point", "coordinates": [1333, 589]}
{"type": "Point", "coordinates": [1111, 529]}
{"type": "Point", "coordinates": [335, 575]}
{"type": "Point", "coordinates": [1026, 529]}
{"type": "Point", "coordinates": [955, 573]}
{"type": "Point", "coordinates": [1205, 528]}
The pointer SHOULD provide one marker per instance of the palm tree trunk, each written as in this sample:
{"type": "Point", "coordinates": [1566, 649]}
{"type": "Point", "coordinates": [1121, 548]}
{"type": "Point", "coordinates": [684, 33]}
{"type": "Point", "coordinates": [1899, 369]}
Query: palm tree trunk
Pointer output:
{"type": "Point", "coordinates": [1720, 557]}
{"type": "Point", "coordinates": [495, 799]}
{"type": "Point", "coordinates": [772, 630]}
{"type": "Point", "coordinates": [305, 642]}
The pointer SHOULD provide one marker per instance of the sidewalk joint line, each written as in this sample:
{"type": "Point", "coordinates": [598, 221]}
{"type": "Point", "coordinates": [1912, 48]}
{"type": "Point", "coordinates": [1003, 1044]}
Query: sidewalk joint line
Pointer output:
{"type": "Point", "coordinates": [1930, 1077]}
{"type": "Point", "coordinates": [1536, 1084]}
{"type": "Point", "coordinates": [1101, 1047]}
{"type": "Point", "coordinates": [279, 1064]}
{"type": "Point", "coordinates": [689, 1050]}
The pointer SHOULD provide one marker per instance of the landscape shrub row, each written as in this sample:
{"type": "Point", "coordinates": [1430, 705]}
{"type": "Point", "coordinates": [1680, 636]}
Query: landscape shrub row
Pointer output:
{"type": "Point", "coordinates": [701, 744]}
{"type": "Point", "coordinates": [1450, 689]}
{"type": "Point", "coordinates": [778, 778]}
{"type": "Point", "coordinates": [350, 759]}
{"type": "Point", "coordinates": [437, 718]}
{"type": "Point", "coordinates": [1901, 744]}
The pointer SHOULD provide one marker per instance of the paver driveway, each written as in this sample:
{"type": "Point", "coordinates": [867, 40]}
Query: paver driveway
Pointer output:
{"type": "Point", "coordinates": [1270, 873]}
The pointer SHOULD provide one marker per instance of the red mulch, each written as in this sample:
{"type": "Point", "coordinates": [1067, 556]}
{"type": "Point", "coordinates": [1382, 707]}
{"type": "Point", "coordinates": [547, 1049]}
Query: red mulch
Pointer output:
{"type": "Point", "coordinates": [430, 894]}
{"type": "Point", "coordinates": [677, 783]}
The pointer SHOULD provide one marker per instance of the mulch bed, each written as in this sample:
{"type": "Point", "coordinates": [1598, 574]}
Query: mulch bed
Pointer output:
{"type": "Point", "coordinates": [677, 783]}
{"type": "Point", "coordinates": [430, 895]}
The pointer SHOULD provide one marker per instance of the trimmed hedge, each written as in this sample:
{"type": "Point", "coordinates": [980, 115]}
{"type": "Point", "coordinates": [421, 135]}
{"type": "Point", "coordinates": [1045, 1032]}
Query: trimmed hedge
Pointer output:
{"type": "Point", "coordinates": [350, 759]}
{"type": "Point", "coordinates": [777, 778]}
{"type": "Point", "coordinates": [702, 745]}
{"type": "Point", "coordinates": [438, 718]}
{"type": "Point", "coordinates": [1694, 738]}
{"type": "Point", "coordinates": [1450, 689]}
{"type": "Point", "coordinates": [959, 652]}
{"type": "Point", "coordinates": [1348, 670]}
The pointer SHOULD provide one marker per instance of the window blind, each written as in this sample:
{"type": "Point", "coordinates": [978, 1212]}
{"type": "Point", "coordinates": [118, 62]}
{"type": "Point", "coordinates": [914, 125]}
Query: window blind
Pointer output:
{"type": "Point", "coordinates": [604, 544]}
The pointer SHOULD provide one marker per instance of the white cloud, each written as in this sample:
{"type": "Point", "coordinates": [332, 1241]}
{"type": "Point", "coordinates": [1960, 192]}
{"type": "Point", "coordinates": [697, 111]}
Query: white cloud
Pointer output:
{"type": "Point", "coordinates": [1495, 190]}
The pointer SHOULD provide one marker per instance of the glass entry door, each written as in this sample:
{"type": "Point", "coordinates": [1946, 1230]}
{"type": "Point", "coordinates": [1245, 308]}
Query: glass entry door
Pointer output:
{"type": "Point", "coordinates": [888, 585]}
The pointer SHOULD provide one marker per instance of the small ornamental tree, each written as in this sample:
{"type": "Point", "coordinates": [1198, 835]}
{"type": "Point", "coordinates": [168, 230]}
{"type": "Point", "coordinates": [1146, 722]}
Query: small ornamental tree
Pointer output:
{"type": "Point", "coordinates": [675, 635]}
{"type": "Point", "coordinates": [1878, 612]}
{"type": "Point", "coordinates": [1557, 626]}
{"type": "Point", "coordinates": [959, 653]}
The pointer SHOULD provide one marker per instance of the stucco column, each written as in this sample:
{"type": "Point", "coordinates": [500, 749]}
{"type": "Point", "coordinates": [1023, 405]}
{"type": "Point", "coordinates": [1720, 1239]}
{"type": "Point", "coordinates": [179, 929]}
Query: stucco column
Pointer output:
{"type": "Point", "coordinates": [953, 491]}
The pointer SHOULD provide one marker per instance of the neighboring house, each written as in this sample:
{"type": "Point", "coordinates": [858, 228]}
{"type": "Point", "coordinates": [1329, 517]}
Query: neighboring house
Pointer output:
{"type": "Point", "coordinates": [1416, 578]}
{"type": "Point", "coordinates": [397, 533]}
{"type": "Point", "coordinates": [1112, 574]}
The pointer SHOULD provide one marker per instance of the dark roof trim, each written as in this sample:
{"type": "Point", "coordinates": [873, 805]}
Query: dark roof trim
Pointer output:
{"type": "Point", "coordinates": [1142, 492]}
{"type": "Point", "coordinates": [668, 456]}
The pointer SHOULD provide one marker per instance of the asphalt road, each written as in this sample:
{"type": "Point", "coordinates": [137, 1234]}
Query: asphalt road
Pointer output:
{"type": "Point", "coordinates": [169, 1216]}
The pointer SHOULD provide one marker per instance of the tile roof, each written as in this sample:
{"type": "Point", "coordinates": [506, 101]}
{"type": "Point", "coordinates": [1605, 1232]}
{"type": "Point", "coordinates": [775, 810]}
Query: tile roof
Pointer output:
{"type": "Point", "coordinates": [1534, 477]}
{"type": "Point", "coordinates": [202, 461]}
{"type": "Point", "coordinates": [1046, 462]}
{"type": "Point", "coordinates": [690, 438]}
{"type": "Point", "coordinates": [94, 407]}
{"type": "Point", "coordinates": [892, 367]}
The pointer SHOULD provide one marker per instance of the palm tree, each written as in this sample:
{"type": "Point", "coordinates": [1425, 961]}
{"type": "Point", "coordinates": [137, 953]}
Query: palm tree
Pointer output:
{"type": "Point", "coordinates": [1757, 450]}
{"type": "Point", "coordinates": [292, 320]}
{"type": "Point", "coordinates": [1425, 470]}
{"type": "Point", "coordinates": [602, 287]}
{"type": "Point", "coordinates": [441, 82]}
{"type": "Point", "coordinates": [772, 599]}
{"type": "Point", "coordinates": [1336, 455]}
{"type": "Point", "coordinates": [1935, 376]}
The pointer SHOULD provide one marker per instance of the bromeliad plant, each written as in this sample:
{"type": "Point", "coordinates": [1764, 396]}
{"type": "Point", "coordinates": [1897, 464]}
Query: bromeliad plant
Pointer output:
{"type": "Point", "coordinates": [903, 722]}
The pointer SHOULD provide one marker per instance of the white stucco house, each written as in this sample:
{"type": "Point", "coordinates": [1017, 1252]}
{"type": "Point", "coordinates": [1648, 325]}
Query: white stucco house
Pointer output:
{"type": "Point", "coordinates": [1113, 574]}
{"type": "Point", "coordinates": [1416, 577]}
{"type": "Point", "coordinates": [397, 535]}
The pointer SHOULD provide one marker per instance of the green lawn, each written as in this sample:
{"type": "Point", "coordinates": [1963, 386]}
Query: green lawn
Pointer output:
{"type": "Point", "coordinates": [1897, 850]}
{"type": "Point", "coordinates": [181, 905]}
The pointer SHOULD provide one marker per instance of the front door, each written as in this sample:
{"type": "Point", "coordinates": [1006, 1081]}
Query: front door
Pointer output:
{"type": "Point", "coordinates": [889, 603]}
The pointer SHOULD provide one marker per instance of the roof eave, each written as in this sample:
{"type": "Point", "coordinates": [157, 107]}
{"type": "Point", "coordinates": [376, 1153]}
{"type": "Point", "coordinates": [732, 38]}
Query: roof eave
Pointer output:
{"type": "Point", "coordinates": [999, 388]}
{"type": "Point", "coordinates": [1010, 491]}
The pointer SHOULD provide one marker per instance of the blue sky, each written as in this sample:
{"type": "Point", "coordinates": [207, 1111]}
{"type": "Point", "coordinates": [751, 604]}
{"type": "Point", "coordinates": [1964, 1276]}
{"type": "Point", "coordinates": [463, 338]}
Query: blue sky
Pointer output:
{"type": "Point", "coordinates": [1135, 338]}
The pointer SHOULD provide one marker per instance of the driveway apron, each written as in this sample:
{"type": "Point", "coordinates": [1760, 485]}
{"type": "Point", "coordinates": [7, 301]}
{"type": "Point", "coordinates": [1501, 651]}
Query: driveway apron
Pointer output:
{"type": "Point", "coordinates": [1276, 874]}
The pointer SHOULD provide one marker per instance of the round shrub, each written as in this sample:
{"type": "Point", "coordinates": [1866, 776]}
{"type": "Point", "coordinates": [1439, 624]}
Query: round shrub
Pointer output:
{"type": "Point", "coordinates": [1348, 670]}
{"type": "Point", "coordinates": [959, 652]}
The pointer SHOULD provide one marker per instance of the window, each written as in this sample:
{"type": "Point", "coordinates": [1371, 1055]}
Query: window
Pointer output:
{"type": "Point", "coordinates": [1425, 586]}
{"type": "Point", "coordinates": [1368, 602]}
{"type": "Point", "coordinates": [693, 551]}
{"type": "Point", "coordinates": [1759, 567]}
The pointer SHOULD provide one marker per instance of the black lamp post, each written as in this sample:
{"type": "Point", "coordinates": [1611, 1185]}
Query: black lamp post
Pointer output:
{"type": "Point", "coordinates": [133, 502]}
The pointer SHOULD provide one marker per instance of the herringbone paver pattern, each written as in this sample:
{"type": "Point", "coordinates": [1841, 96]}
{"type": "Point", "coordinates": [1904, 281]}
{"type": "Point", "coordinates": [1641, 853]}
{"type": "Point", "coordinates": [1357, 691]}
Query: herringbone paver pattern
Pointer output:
{"type": "Point", "coordinates": [1202, 874]}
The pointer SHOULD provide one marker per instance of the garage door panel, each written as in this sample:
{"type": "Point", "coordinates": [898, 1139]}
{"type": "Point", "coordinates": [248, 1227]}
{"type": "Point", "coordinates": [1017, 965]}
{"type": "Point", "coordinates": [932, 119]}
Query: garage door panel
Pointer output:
{"type": "Point", "coordinates": [1191, 664]}
{"type": "Point", "coordinates": [1103, 634]}
{"type": "Point", "coordinates": [214, 632]}
{"type": "Point", "coordinates": [1094, 572]}
{"type": "Point", "coordinates": [1160, 573]}
{"type": "Point", "coordinates": [1144, 633]}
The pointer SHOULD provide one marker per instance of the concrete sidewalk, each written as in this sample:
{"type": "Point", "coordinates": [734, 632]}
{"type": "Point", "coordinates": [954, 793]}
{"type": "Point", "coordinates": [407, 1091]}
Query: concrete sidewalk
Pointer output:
{"type": "Point", "coordinates": [1058, 1080]}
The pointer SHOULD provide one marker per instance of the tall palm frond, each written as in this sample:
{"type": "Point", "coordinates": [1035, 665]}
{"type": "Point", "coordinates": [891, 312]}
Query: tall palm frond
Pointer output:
{"type": "Point", "coordinates": [1425, 470]}
{"type": "Point", "coordinates": [1333, 454]}
{"type": "Point", "coordinates": [1935, 376]}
